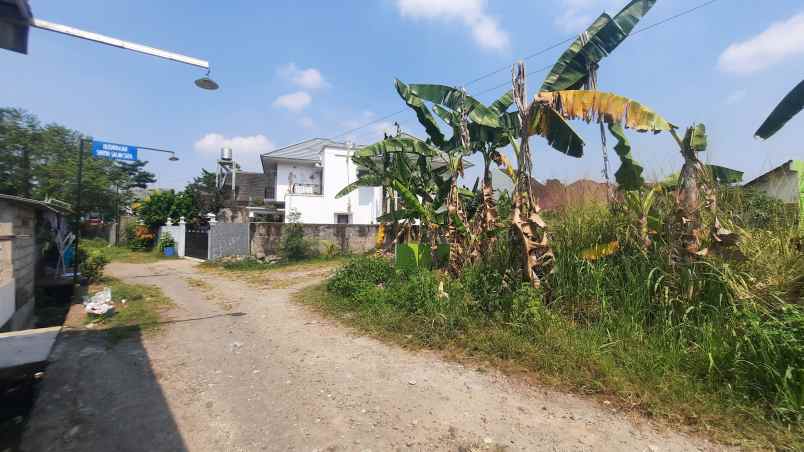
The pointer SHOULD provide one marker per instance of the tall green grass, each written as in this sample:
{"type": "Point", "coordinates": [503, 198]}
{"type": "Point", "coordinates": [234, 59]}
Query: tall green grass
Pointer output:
{"type": "Point", "coordinates": [717, 343]}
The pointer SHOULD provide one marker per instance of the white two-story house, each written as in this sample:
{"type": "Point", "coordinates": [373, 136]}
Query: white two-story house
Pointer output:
{"type": "Point", "coordinates": [306, 177]}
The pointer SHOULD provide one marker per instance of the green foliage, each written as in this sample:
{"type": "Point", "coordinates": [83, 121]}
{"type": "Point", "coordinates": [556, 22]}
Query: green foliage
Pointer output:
{"type": "Point", "coordinates": [92, 264]}
{"type": "Point", "coordinates": [161, 205]}
{"type": "Point", "coordinates": [716, 341]}
{"type": "Point", "coordinates": [789, 106]}
{"type": "Point", "coordinates": [166, 241]}
{"type": "Point", "coordinates": [571, 71]}
{"type": "Point", "coordinates": [139, 237]}
{"type": "Point", "coordinates": [294, 245]}
{"type": "Point", "coordinates": [40, 161]}
{"type": "Point", "coordinates": [359, 273]}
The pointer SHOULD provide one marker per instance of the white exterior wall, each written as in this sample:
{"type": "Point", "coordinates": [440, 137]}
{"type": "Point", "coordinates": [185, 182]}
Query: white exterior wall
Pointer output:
{"type": "Point", "coordinates": [363, 205]}
{"type": "Point", "coordinates": [299, 173]}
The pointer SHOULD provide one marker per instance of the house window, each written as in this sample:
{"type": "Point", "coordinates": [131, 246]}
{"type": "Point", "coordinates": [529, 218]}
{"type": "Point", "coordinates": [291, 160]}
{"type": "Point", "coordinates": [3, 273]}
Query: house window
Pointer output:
{"type": "Point", "coordinates": [342, 218]}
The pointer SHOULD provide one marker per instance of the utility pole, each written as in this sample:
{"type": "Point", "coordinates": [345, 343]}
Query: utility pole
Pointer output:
{"type": "Point", "coordinates": [77, 218]}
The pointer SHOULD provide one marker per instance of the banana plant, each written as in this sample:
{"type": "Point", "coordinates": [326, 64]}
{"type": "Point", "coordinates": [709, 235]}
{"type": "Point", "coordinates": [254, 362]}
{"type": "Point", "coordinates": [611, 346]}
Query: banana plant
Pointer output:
{"type": "Point", "coordinates": [577, 68]}
{"type": "Point", "coordinates": [790, 106]}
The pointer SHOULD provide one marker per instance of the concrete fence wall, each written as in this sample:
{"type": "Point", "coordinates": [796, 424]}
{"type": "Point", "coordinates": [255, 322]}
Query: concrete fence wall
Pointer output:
{"type": "Point", "coordinates": [349, 238]}
{"type": "Point", "coordinates": [228, 239]}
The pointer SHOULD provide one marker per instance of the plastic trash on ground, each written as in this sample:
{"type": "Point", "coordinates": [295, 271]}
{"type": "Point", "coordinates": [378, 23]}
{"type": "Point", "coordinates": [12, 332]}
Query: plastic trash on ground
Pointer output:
{"type": "Point", "coordinates": [100, 303]}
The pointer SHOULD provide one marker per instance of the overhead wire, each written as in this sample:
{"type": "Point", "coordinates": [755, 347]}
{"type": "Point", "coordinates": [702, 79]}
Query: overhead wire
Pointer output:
{"type": "Point", "coordinates": [528, 57]}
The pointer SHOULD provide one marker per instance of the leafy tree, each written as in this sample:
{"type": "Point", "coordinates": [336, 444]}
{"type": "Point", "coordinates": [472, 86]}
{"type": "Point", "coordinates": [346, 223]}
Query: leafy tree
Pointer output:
{"type": "Point", "coordinates": [41, 161]}
{"type": "Point", "coordinates": [205, 193]}
{"type": "Point", "coordinates": [161, 205]}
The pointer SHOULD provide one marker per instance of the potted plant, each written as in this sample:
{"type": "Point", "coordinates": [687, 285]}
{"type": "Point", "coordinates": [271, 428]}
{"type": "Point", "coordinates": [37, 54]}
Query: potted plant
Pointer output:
{"type": "Point", "coordinates": [167, 244]}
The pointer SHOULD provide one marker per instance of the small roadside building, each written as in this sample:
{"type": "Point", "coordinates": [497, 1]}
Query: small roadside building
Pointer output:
{"type": "Point", "coordinates": [785, 183]}
{"type": "Point", "coordinates": [20, 253]}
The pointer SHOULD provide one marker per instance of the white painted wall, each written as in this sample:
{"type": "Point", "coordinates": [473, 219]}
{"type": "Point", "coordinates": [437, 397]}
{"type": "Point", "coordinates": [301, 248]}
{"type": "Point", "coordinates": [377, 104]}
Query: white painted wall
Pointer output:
{"type": "Point", "coordinates": [299, 173]}
{"type": "Point", "coordinates": [363, 205]}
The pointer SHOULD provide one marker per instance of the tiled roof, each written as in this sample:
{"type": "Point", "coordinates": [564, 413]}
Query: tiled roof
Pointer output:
{"type": "Point", "coordinates": [306, 150]}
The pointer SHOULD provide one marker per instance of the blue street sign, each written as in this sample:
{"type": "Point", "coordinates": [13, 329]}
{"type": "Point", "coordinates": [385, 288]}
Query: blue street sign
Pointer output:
{"type": "Point", "coordinates": [114, 151]}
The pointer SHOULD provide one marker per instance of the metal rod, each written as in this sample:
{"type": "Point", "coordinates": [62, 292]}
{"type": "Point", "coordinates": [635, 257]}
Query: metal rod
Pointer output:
{"type": "Point", "coordinates": [155, 149]}
{"type": "Point", "coordinates": [77, 221]}
{"type": "Point", "coordinates": [114, 42]}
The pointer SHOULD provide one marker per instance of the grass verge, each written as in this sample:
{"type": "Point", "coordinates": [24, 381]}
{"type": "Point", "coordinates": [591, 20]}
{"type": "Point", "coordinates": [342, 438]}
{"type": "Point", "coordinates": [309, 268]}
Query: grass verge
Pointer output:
{"type": "Point", "coordinates": [632, 374]}
{"type": "Point", "coordinates": [122, 254]}
{"type": "Point", "coordinates": [142, 307]}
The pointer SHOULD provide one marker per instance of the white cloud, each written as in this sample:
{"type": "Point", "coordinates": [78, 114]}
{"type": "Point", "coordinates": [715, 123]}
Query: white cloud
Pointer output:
{"type": "Point", "coordinates": [294, 102]}
{"type": "Point", "coordinates": [246, 149]}
{"type": "Point", "coordinates": [309, 78]}
{"type": "Point", "coordinates": [736, 97]}
{"type": "Point", "coordinates": [485, 29]}
{"type": "Point", "coordinates": [780, 41]}
{"type": "Point", "coordinates": [576, 15]}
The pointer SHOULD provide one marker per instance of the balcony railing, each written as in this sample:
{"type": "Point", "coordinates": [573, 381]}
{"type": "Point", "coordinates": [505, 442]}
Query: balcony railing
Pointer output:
{"type": "Point", "coordinates": [305, 189]}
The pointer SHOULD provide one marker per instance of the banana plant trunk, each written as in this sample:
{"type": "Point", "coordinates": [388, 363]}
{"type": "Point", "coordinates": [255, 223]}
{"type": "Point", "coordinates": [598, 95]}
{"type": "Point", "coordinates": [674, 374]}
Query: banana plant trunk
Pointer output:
{"type": "Point", "coordinates": [454, 234]}
{"type": "Point", "coordinates": [537, 255]}
{"type": "Point", "coordinates": [688, 200]}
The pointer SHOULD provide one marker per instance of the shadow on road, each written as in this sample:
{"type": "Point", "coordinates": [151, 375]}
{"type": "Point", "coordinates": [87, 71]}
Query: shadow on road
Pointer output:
{"type": "Point", "coordinates": [100, 393]}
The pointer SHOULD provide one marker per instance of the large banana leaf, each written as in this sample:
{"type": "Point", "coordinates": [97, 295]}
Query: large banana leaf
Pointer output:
{"type": "Point", "coordinates": [369, 180]}
{"type": "Point", "coordinates": [398, 145]}
{"type": "Point", "coordinates": [629, 175]}
{"type": "Point", "coordinates": [452, 98]}
{"type": "Point", "coordinates": [790, 106]}
{"type": "Point", "coordinates": [501, 105]}
{"type": "Point", "coordinates": [595, 43]}
{"type": "Point", "coordinates": [423, 114]}
{"type": "Point", "coordinates": [411, 201]}
{"type": "Point", "coordinates": [607, 107]}
{"type": "Point", "coordinates": [558, 133]}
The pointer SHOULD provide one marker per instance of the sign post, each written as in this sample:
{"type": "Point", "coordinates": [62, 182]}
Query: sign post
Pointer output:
{"type": "Point", "coordinates": [114, 151]}
{"type": "Point", "coordinates": [108, 151]}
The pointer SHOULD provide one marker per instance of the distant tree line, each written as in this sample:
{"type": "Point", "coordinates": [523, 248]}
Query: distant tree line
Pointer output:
{"type": "Point", "coordinates": [40, 161]}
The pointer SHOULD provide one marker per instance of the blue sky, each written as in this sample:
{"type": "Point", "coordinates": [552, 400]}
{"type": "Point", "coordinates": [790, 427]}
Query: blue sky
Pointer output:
{"type": "Point", "coordinates": [295, 70]}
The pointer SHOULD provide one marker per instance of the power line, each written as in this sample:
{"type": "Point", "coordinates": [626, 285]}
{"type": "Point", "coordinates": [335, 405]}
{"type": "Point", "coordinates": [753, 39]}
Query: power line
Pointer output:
{"type": "Point", "coordinates": [528, 57]}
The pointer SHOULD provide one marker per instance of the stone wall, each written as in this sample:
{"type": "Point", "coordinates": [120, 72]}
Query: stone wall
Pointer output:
{"type": "Point", "coordinates": [228, 239]}
{"type": "Point", "coordinates": [18, 255]}
{"type": "Point", "coordinates": [349, 238]}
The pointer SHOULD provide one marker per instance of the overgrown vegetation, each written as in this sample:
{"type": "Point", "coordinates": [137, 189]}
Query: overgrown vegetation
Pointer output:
{"type": "Point", "coordinates": [717, 344]}
{"type": "Point", "coordinates": [125, 254]}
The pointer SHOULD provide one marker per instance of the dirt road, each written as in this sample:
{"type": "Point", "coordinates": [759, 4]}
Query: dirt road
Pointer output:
{"type": "Point", "coordinates": [241, 368]}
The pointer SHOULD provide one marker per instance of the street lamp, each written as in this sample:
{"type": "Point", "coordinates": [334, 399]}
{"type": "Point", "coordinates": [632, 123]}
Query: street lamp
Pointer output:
{"type": "Point", "coordinates": [16, 18]}
{"type": "Point", "coordinates": [206, 83]}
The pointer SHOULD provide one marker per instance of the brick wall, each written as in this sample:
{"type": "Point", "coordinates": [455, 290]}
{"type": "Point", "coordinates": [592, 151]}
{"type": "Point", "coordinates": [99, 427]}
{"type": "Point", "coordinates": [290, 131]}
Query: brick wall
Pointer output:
{"type": "Point", "coordinates": [18, 255]}
{"type": "Point", "coordinates": [349, 238]}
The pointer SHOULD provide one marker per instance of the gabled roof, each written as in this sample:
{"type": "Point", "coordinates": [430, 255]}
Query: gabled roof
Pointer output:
{"type": "Point", "coordinates": [306, 150]}
{"type": "Point", "coordinates": [784, 168]}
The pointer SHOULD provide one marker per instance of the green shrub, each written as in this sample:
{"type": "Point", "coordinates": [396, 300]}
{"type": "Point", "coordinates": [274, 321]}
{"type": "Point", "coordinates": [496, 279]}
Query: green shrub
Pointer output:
{"type": "Point", "coordinates": [360, 272]}
{"type": "Point", "coordinates": [166, 241]}
{"type": "Point", "coordinates": [92, 264]}
{"type": "Point", "coordinates": [139, 237]}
